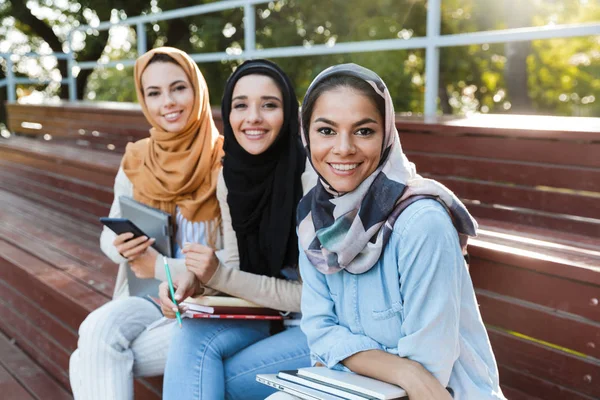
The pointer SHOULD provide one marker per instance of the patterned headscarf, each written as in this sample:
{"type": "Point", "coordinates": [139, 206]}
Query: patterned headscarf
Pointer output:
{"type": "Point", "coordinates": [350, 230]}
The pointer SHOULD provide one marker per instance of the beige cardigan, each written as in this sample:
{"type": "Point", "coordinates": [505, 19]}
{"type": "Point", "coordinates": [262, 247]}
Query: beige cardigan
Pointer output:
{"type": "Point", "coordinates": [270, 292]}
{"type": "Point", "coordinates": [276, 293]}
{"type": "Point", "coordinates": [124, 187]}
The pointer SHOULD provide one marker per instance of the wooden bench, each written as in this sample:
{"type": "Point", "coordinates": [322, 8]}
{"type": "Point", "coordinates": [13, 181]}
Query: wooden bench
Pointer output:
{"type": "Point", "coordinates": [536, 262]}
{"type": "Point", "coordinates": [52, 271]}
{"type": "Point", "coordinates": [535, 265]}
{"type": "Point", "coordinates": [99, 125]}
{"type": "Point", "coordinates": [22, 379]}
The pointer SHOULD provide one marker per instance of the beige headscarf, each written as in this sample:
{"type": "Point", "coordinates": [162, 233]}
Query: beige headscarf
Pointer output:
{"type": "Point", "coordinates": [171, 169]}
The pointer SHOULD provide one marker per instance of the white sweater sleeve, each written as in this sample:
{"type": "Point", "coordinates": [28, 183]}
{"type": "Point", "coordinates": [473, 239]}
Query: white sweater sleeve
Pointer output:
{"type": "Point", "coordinates": [123, 187]}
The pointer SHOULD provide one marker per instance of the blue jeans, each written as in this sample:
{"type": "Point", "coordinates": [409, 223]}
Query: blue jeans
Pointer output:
{"type": "Point", "coordinates": [219, 359]}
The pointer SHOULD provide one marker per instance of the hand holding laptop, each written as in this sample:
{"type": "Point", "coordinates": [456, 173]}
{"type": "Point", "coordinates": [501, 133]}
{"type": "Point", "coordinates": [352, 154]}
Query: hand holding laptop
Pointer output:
{"type": "Point", "coordinates": [321, 383]}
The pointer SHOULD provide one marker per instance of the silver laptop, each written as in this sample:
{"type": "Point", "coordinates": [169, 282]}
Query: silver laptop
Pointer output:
{"type": "Point", "coordinates": [302, 392]}
{"type": "Point", "coordinates": [156, 224]}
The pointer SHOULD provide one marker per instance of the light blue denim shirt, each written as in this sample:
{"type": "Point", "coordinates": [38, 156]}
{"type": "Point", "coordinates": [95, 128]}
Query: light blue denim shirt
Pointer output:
{"type": "Point", "coordinates": [417, 302]}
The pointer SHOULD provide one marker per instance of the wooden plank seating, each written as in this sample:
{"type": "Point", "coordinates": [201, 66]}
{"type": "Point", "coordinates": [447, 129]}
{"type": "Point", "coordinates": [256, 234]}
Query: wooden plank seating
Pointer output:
{"type": "Point", "coordinates": [533, 183]}
{"type": "Point", "coordinates": [52, 271]}
{"type": "Point", "coordinates": [100, 125]}
{"type": "Point", "coordinates": [536, 263]}
{"type": "Point", "coordinates": [22, 379]}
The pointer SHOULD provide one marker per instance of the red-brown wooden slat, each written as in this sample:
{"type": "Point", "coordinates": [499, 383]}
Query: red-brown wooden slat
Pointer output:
{"type": "Point", "coordinates": [574, 373]}
{"type": "Point", "coordinates": [527, 218]}
{"type": "Point", "coordinates": [143, 391]}
{"type": "Point", "coordinates": [18, 301]}
{"type": "Point", "coordinates": [148, 388]}
{"type": "Point", "coordinates": [540, 323]}
{"type": "Point", "coordinates": [52, 289]}
{"type": "Point", "coordinates": [520, 173]}
{"type": "Point", "coordinates": [66, 197]}
{"type": "Point", "coordinates": [529, 385]}
{"type": "Point", "coordinates": [67, 250]}
{"type": "Point", "coordinates": [13, 326]}
{"type": "Point", "coordinates": [59, 239]}
{"type": "Point", "coordinates": [82, 188]}
{"type": "Point", "coordinates": [572, 253]}
{"type": "Point", "coordinates": [11, 389]}
{"type": "Point", "coordinates": [82, 158]}
{"type": "Point", "coordinates": [56, 165]}
{"type": "Point", "coordinates": [98, 279]}
{"type": "Point", "coordinates": [561, 238]}
{"type": "Point", "coordinates": [510, 126]}
{"type": "Point", "coordinates": [524, 197]}
{"type": "Point", "coordinates": [547, 290]}
{"type": "Point", "coordinates": [539, 262]}
{"type": "Point", "coordinates": [29, 331]}
{"type": "Point", "coordinates": [36, 341]}
{"type": "Point", "coordinates": [540, 151]}
{"type": "Point", "coordinates": [29, 374]}
{"type": "Point", "coordinates": [514, 394]}
{"type": "Point", "coordinates": [55, 201]}
{"type": "Point", "coordinates": [60, 224]}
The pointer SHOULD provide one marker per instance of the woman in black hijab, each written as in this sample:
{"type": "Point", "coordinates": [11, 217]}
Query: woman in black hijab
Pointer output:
{"type": "Point", "coordinates": [265, 188]}
{"type": "Point", "coordinates": [258, 191]}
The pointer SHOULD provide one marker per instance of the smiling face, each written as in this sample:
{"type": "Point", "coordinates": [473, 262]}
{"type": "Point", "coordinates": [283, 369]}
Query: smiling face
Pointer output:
{"type": "Point", "coordinates": [168, 94]}
{"type": "Point", "coordinates": [256, 113]}
{"type": "Point", "coordinates": [346, 137]}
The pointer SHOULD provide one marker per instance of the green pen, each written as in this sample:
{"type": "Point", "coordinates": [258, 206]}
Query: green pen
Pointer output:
{"type": "Point", "coordinates": [170, 281]}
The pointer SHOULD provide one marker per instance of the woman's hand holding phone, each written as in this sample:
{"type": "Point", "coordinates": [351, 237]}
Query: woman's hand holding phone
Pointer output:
{"type": "Point", "coordinates": [131, 248]}
{"type": "Point", "coordinates": [138, 252]}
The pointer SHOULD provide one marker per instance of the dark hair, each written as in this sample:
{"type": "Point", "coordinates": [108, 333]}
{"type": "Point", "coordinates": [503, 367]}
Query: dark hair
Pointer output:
{"type": "Point", "coordinates": [337, 81]}
{"type": "Point", "coordinates": [261, 73]}
{"type": "Point", "coordinates": [162, 57]}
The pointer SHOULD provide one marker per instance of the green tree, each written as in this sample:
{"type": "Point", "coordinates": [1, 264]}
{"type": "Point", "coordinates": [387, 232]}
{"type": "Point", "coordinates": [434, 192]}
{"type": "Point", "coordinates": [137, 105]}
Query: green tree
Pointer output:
{"type": "Point", "coordinates": [549, 77]}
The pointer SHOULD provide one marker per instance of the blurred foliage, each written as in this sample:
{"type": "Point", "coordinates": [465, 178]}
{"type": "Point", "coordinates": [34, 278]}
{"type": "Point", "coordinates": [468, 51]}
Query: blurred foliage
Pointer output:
{"type": "Point", "coordinates": [560, 76]}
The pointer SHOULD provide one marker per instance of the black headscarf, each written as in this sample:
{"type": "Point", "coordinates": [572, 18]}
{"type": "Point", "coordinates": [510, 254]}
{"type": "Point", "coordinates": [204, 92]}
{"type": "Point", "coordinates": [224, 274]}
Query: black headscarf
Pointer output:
{"type": "Point", "coordinates": [264, 189]}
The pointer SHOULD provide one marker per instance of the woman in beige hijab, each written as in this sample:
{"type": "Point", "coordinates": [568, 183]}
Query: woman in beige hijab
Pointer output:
{"type": "Point", "coordinates": [174, 170]}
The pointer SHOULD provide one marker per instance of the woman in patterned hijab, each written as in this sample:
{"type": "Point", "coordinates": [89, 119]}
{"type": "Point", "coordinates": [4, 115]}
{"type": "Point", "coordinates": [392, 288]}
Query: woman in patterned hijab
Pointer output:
{"type": "Point", "coordinates": [386, 292]}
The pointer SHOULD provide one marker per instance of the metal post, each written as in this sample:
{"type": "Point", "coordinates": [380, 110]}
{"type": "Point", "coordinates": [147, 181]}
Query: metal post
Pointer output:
{"type": "Point", "coordinates": [71, 78]}
{"type": "Point", "coordinates": [432, 57]}
{"type": "Point", "coordinates": [142, 45]}
{"type": "Point", "coordinates": [249, 30]}
{"type": "Point", "coordinates": [11, 87]}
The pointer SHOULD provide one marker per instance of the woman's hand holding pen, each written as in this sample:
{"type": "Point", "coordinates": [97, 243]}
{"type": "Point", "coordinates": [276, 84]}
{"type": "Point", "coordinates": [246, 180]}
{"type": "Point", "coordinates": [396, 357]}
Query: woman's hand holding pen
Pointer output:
{"type": "Point", "coordinates": [201, 260]}
{"type": "Point", "coordinates": [185, 285]}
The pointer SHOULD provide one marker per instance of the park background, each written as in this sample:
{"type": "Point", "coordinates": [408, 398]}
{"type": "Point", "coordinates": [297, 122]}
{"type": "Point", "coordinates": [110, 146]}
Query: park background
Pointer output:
{"type": "Point", "coordinates": [546, 77]}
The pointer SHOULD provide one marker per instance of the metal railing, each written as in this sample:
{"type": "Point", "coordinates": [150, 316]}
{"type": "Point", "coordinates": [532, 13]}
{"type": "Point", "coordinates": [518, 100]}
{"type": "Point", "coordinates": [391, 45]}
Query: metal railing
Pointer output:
{"type": "Point", "coordinates": [432, 43]}
{"type": "Point", "coordinates": [11, 81]}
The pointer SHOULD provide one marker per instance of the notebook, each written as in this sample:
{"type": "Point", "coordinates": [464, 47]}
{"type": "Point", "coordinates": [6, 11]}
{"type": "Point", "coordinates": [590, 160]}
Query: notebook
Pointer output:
{"type": "Point", "coordinates": [303, 392]}
{"type": "Point", "coordinates": [156, 224]}
{"type": "Point", "coordinates": [347, 385]}
{"type": "Point", "coordinates": [226, 305]}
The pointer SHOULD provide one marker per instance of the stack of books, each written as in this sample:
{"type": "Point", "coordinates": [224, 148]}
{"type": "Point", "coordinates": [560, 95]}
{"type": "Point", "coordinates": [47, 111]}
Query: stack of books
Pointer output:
{"type": "Point", "coordinates": [219, 307]}
{"type": "Point", "coordinates": [225, 307]}
{"type": "Point", "coordinates": [321, 383]}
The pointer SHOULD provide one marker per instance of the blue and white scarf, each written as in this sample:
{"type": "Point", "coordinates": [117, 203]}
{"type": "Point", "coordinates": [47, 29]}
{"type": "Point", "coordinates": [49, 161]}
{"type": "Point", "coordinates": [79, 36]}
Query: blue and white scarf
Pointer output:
{"type": "Point", "coordinates": [350, 230]}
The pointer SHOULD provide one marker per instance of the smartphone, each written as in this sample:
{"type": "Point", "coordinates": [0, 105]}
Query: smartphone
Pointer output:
{"type": "Point", "coordinates": [122, 225]}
